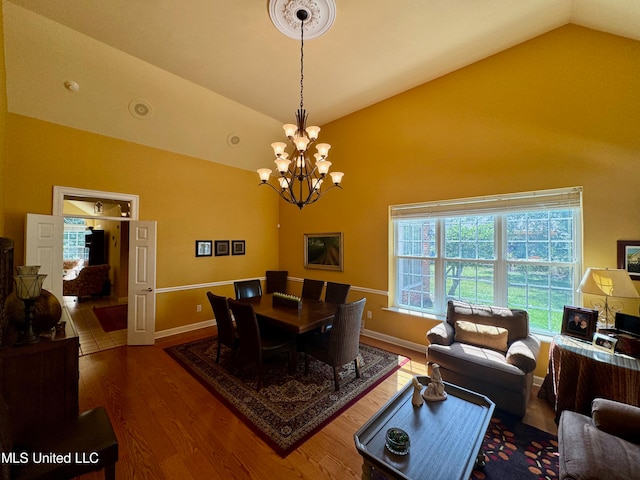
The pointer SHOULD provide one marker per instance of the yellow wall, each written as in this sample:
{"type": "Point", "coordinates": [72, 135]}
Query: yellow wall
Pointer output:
{"type": "Point", "coordinates": [189, 198]}
{"type": "Point", "coordinates": [560, 110]}
{"type": "Point", "coordinates": [3, 124]}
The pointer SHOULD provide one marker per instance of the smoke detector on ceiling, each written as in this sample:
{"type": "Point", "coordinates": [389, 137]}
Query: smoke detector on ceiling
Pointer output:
{"type": "Point", "coordinates": [319, 17]}
{"type": "Point", "coordinates": [140, 109]}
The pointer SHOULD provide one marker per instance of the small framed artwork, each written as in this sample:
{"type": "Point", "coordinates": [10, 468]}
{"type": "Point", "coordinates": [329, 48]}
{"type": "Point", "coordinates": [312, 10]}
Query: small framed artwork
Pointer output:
{"type": "Point", "coordinates": [237, 247]}
{"type": "Point", "coordinates": [323, 251]}
{"type": "Point", "coordinates": [629, 257]}
{"type": "Point", "coordinates": [605, 342]}
{"type": "Point", "coordinates": [203, 248]}
{"type": "Point", "coordinates": [579, 322]}
{"type": "Point", "coordinates": [222, 248]}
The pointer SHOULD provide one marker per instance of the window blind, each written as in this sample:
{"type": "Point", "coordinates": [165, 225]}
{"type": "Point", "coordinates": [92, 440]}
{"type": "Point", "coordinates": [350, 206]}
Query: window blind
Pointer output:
{"type": "Point", "coordinates": [554, 199]}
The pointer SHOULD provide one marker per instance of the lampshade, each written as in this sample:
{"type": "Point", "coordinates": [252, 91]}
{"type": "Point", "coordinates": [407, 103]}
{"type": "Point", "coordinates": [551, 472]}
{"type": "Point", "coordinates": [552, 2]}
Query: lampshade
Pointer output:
{"type": "Point", "coordinates": [29, 287]}
{"type": "Point", "coordinates": [610, 282]}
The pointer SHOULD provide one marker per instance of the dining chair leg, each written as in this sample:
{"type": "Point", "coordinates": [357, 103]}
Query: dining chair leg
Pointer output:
{"type": "Point", "coordinates": [259, 386]}
{"type": "Point", "coordinates": [335, 378]}
{"type": "Point", "coordinates": [357, 363]}
{"type": "Point", "coordinates": [218, 354]}
{"type": "Point", "coordinates": [306, 363]}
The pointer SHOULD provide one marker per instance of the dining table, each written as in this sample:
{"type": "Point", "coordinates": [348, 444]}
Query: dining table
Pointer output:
{"type": "Point", "coordinates": [312, 315]}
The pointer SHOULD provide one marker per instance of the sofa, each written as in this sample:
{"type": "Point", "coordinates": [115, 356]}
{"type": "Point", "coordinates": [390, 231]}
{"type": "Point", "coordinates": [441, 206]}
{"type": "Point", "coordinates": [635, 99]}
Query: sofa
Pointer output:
{"type": "Point", "coordinates": [91, 280]}
{"type": "Point", "coordinates": [605, 445]}
{"type": "Point", "coordinates": [488, 350]}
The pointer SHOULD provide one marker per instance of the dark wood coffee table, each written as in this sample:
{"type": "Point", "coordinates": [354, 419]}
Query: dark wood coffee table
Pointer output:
{"type": "Point", "coordinates": [446, 437]}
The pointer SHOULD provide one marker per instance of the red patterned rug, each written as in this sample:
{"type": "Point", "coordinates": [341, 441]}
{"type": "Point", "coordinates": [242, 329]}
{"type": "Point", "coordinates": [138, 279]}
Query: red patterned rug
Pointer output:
{"type": "Point", "coordinates": [289, 409]}
{"type": "Point", "coordinates": [517, 451]}
{"type": "Point", "coordinates": [112, 318]}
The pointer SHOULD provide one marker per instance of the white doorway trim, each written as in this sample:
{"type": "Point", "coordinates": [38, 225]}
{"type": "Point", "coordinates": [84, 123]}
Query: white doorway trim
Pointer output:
{"type": "Point", "coordinates": [60, 193]}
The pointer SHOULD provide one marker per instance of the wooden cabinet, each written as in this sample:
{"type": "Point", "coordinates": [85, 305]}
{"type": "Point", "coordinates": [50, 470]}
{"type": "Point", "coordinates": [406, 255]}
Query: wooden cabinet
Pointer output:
{"type": "Point", "coordinates": [40, 382]}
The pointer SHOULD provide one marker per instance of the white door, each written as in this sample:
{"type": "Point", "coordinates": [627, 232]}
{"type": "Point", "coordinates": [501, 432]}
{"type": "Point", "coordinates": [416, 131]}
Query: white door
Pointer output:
{"type": "Point", "coordinates": [142, 283]}
{"type": "Point", "coordinates": [43, 246]}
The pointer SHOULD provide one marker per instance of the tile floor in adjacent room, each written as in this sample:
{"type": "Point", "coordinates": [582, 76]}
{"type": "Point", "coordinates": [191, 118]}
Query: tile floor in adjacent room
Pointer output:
{"type": "Point", "coordinates": [92, 337]}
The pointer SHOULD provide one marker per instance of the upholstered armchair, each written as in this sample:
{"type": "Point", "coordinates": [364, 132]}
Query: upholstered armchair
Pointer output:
{"type": "Point", "coordinates": [487, 350]}
{"type": "Point", "coordinates": [90, 281]}
{"type": "Point", "coordinates": [605, 445]}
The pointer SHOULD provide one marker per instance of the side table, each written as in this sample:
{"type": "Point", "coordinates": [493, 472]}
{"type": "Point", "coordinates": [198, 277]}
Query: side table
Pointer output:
{"type": "Point", "coordinates": [579, 372]}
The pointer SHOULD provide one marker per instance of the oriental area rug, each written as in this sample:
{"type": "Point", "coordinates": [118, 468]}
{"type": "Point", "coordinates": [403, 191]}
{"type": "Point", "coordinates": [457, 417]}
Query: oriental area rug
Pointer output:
{"type": "Point", "coordinates": [517, 451]}
{"type": "Point", "coordinates": [112, 318]}
{"type": "Point", "coordinates": [289, 409]}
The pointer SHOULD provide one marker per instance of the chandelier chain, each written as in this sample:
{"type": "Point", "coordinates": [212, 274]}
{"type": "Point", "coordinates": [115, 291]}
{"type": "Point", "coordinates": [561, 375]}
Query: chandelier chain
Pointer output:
{"type": "Point", "coordinates": [301, 64]}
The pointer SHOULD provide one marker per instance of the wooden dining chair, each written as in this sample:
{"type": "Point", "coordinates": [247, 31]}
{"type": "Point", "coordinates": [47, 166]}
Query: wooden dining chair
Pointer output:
{"type": "Point", "coordinates": [341, 344]}
{"type": "Point", "coordinates": [227, 334]}
{"type": "Point", "coordinates": [312, 289]}
{"type": "Point", "coordinates": [277, 281]}
{"type": "Point", "coordinates": [336, 292]}
{"type": "Point", "coordinates": [254, 346]}
{"type": "Point", "coordinates": [247, 289]}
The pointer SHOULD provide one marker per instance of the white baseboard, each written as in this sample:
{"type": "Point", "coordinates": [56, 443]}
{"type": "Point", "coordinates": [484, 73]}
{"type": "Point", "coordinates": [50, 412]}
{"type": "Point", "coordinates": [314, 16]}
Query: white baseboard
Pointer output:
{"type": "Point", "coordinates": [185, 328]}
{"type": "Point", "coordinates": [395, 341]}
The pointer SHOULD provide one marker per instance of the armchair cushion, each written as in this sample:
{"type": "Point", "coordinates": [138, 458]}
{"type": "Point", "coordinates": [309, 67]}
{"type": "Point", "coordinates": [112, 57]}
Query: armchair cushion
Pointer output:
{"type": "Point", "coordinates": [480, 335]}
{"type": "Point", "coordinates": [523, 354]}
{"type": "Point", "coordinates": [441, 334]}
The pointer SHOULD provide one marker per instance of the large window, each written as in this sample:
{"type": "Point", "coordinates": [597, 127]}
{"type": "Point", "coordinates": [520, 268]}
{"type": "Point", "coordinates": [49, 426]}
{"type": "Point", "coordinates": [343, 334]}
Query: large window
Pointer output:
{"type": "Point", "coordinates": [521, 251]}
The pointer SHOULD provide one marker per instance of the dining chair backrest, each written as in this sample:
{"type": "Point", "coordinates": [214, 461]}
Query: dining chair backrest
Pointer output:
{"type": "Point", "coordinates": [248, 330]}
{"type": "Point", "coordinates": [336, 292]}
{"type": "Point", "coordinates": [344, 339]}
{"type": "Point", "coordinates": [312, 289]}
{"type": "Point", "coordinates": [221, 313]}
{"type": "Point", "coordinates": [247, 288]}
{"type": "Point", "coordinates": [277, 281]}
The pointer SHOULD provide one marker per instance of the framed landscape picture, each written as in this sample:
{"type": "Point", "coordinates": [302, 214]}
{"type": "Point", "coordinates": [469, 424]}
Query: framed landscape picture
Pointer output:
{"type": "Point", "coordinates": [323, 251]}
{"type": "Point", "coordinates": [579, 322]}
{"type": "Point", "coordinates": [629, 257]}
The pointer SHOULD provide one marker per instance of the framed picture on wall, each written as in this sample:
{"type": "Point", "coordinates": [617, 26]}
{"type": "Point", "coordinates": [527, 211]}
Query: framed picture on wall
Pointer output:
{"type": "Point", "coordinates": [629, 257]}
{"type": "Point", "coordinates": [222, 248]}
{"type": "Point", "coordinates": [579, 322]}
{"type": "Point", "coordinates": [323, 251]}
{"type": "Point", "coordinates": [203, 248]}
{"type": "Point", "coordinates": [237, 247]}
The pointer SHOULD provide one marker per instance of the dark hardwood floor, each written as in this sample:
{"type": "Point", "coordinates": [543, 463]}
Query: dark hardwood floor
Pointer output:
{"type": "Point", "coordinates": [170, 427]}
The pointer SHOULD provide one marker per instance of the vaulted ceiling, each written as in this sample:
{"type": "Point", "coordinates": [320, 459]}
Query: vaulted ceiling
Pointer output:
{"type": "Point", "coordinates": [222, 63]}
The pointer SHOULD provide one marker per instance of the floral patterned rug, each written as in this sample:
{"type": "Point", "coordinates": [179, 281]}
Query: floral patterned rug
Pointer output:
{"type": "Point", "coordinates": [289, 409]}
{"type": "Point", "coordinates": [515, 450]}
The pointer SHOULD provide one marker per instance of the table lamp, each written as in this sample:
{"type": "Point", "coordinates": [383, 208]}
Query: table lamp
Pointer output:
{"type": "Point", "coordinates": [28, 289]}
{"type": "Point", "coordinates": [607, 282]}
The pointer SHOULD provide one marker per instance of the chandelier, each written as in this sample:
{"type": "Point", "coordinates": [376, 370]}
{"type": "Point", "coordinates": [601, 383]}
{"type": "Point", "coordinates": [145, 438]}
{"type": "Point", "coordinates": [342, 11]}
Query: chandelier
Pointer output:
{"type": "Point", "coordinates": [300, 178]}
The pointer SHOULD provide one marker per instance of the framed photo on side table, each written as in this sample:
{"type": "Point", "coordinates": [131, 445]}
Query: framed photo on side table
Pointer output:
{"type": "Point", "coordinates": [605, 342]}
{"type": "Point", "coordinates": [629, 257]}
{"type": "Point", "coordinates": [579, 322]}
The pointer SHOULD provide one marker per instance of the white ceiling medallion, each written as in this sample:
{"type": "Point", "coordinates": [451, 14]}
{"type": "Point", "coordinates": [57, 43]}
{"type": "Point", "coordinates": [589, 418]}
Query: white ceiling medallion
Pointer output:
{"type": "Point", "coordinates": [320, 16]}
{"type": "Point", "coordinates": [140, 109]}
